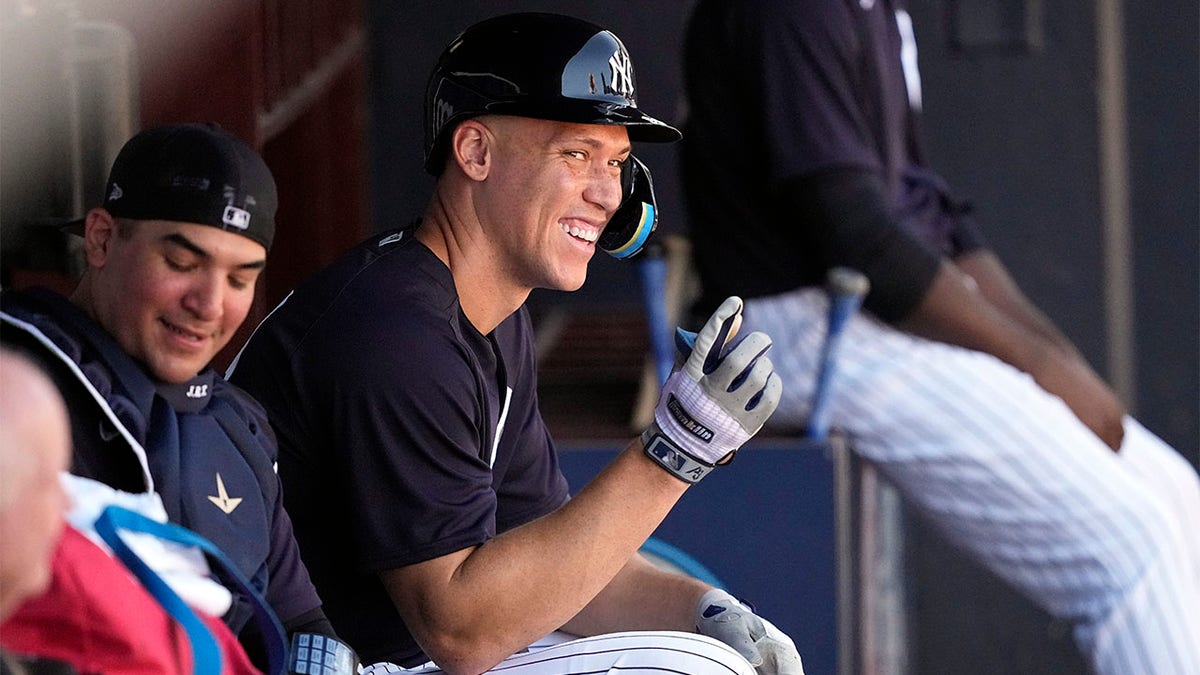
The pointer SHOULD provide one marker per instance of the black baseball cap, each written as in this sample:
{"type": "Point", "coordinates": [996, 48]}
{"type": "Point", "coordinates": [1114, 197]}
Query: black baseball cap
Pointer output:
{"type": "Point", "coordinates": [192, 173]}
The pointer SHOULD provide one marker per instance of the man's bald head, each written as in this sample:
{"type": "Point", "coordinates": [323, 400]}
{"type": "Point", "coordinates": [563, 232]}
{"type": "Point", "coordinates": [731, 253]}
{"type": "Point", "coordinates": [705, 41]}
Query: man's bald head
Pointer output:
{"type": "Point", "coordinates": [35, 446]}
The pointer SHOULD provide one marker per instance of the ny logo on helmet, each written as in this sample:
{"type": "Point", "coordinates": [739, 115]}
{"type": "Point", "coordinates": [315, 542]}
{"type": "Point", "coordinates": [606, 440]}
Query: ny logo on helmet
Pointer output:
{"type": "Point", "coordinates": [622, 75]}
{"type": "Point", "coordinates": [442, 112]}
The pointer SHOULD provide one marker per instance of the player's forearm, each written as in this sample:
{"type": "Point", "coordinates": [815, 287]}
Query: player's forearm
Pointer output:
{"type": "Point", "coordinates": [531, 580]}
{"type": "Point", "coordinates": [641, 597]}
{"type": "Point", "coordinates": [954, 311]}
{"type": "Point", "coordinates": [999, 289]}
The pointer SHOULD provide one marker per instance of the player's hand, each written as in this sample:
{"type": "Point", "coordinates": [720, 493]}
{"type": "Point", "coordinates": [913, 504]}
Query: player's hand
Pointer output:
{"type": "Point", "coordinates": [719, 615]}
{"type": "Point", "coordinates": [718, 398]}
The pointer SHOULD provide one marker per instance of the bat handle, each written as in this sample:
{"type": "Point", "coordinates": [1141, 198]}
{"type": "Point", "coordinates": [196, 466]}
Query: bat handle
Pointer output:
{"type": "Point", "coordinates": [846, 288]}
{"type": "Point", "coordinates": [653, 268]}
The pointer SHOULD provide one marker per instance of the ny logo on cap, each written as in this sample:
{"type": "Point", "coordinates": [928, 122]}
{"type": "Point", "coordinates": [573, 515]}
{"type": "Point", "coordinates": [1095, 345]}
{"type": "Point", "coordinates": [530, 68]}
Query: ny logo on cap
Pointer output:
{"type": "Point", "coordinates": [235, 217]}
{"type": "Point", "coordinates": [622, 75]}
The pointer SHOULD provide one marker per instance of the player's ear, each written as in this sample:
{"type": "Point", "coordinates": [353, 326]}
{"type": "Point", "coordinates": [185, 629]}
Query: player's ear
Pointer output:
{"type": "Point", "coordinates": [99, 231]}
{"type": "Point", "coordinates": [471, 146]}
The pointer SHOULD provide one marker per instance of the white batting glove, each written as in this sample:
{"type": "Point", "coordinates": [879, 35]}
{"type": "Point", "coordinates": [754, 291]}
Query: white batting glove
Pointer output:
{"type": "Point", "coordinates": [719, 615]}
{"type": "Point", "coordinates": [716, 400]}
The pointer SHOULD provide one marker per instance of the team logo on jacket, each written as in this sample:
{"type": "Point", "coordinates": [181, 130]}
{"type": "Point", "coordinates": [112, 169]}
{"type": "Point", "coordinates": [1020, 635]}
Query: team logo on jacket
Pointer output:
{"type": "Point", "coordinates": [222, 499]}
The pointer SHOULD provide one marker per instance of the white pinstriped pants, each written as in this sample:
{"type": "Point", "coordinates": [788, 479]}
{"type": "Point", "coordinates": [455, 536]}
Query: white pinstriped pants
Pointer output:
{"type": "Point", "coordinates": [631, 653]}
{"type": "Point", "coordinates": [1108, 541]}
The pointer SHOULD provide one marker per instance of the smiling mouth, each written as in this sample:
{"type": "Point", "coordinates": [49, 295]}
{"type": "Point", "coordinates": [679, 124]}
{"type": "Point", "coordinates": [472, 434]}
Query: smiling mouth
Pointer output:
{"type": "Point", "coordinates": [190, 335]}
{"type": "Point", "coordinates": [587, 235]}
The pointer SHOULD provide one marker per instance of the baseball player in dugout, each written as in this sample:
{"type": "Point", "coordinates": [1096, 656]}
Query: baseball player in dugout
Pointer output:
{"type": "Point", "coordinates": [801, 154]}
{"type": "Point", "coordinates": [401, 382]}
{"type": "Point", "coordinates": [172, 258]}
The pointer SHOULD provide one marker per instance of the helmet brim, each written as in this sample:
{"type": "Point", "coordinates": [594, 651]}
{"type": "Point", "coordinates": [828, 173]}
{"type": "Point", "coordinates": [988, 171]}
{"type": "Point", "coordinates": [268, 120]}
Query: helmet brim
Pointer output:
{"type": "Point", "coordinates": [641, 127]}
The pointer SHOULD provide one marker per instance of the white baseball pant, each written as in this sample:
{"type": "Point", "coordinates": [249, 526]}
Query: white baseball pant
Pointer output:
{"type": "Point", "coordinates": [1108, 541]}
{"type": "Point", "coordinates": [630, 653]}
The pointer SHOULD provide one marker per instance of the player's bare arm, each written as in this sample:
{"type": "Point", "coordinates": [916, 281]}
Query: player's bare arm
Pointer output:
{"type": "Point", "coordinates": [998, 287]}
{"type": "Point", "coordinates": [471, 609]}
{"type": "Point", "coordinates": [641, 597]}
{"type": "Point", "coordinates": [956, 311]}
{"type": "Point", "coordinates": [1070, 376]}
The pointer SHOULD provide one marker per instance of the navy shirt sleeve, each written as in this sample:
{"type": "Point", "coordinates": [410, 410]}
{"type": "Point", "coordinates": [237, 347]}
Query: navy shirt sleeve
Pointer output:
{"type": "Point", "coordinates": [783, 96]}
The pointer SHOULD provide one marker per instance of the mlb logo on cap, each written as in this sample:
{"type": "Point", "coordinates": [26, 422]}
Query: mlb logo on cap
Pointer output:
{"type": "Point", "coordinates": [235, 217]}
{"type": "Point", "coordinates": [192, 173]}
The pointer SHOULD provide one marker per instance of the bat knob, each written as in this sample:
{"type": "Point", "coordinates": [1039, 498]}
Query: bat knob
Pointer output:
{"type": "Point", "coordinates": [847, 281]}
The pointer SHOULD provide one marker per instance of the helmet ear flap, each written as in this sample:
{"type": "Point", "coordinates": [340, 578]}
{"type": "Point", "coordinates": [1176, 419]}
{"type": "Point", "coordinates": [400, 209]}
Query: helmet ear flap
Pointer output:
{"type": "Point", "coordinates": [637, 216]}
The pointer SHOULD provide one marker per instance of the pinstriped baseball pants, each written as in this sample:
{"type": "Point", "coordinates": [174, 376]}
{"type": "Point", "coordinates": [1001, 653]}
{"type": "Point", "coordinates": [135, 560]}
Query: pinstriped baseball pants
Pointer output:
{"type": "Point", "coordinates": [1108, 541]}
{"type": "Point", "coordinates": [631, 653]}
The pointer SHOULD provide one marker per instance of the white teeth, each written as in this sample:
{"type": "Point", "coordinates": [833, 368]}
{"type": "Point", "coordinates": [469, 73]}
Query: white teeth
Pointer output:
{"type": "Point", "coordinates": [586, 235]}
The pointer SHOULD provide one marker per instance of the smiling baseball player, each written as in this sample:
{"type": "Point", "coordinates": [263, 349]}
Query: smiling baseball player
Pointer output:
{"type": "Point", "coordinates": [401, 381]}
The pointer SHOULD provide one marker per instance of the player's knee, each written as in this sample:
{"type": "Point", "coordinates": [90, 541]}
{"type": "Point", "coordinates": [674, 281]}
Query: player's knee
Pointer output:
{"type": "Point", "coordinates": [1153, 544]}
{"type": "Point", "coordinates": [688, 652]}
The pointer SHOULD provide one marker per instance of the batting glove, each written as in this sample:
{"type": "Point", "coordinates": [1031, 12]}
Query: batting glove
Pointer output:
{"type": "Point", "coordinates": [715, 400]}
{"type": "Point", "coordinates": [721, 616]}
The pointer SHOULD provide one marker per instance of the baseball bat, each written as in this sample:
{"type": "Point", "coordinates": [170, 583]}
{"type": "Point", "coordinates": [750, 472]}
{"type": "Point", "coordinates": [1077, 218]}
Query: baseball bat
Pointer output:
{"type": "Point", "coordinates": [846, 288]}
{"type": "Point", "coordinates": [653, 268]}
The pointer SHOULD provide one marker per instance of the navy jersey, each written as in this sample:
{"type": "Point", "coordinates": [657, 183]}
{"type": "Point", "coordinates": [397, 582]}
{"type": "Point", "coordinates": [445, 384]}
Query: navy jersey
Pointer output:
{"type": "Point", "coordinates": [203, 445]}
{"type": "Point", "coordinates": [404, 433]}
{"type": "Point", "coordinates": [819, 86]}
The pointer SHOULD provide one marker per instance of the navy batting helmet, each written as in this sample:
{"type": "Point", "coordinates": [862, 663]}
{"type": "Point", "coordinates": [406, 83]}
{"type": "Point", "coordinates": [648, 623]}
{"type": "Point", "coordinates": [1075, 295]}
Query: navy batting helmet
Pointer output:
{"type": "Point", "coordinates": [544, 66]}
{"type": "Point", "coordinates": [550, 67]}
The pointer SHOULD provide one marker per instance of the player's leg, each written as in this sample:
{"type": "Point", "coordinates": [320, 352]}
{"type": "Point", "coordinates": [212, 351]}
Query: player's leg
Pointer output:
{"type": "Point", "coordinates": [1007, 471]}
{"type": "Point", "coordinates": [1140, 624]}
{"type": "Point", "coordinates": [1170, 476]}
{"type": "Point", "coordinates": [646, 652]}
{"type": "Point", "coordinates": [1011, 475]}
{"type": "Point", "coordinates": [630, 653]}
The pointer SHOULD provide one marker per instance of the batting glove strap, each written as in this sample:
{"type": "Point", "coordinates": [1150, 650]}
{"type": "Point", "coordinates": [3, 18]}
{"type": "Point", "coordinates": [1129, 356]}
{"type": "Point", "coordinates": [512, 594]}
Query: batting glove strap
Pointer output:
{"type": "Point", "coordinates": [671, 457]}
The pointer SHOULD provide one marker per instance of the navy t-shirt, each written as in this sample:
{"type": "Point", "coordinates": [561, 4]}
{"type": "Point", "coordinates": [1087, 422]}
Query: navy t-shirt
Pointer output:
{"type": "Point", "coordinates": [783, 91]}
{"type": "Point", "coordinates": [404, 433]}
